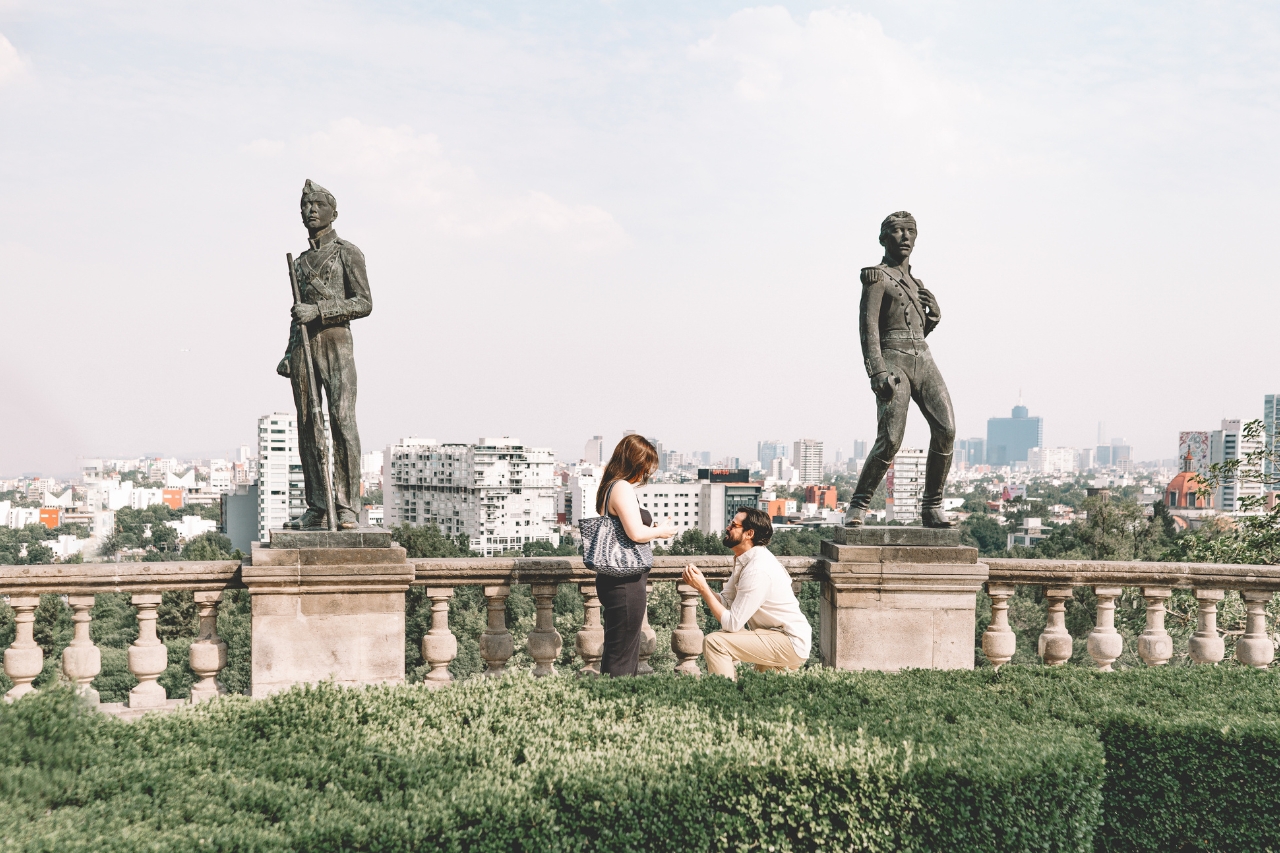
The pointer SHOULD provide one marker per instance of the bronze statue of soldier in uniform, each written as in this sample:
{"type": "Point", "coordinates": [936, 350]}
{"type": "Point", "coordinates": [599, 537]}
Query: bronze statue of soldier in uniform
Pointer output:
{"type": "Point", "coordinates": [334, 291]}
{"type": "Point", "coordinates": [894, 317]}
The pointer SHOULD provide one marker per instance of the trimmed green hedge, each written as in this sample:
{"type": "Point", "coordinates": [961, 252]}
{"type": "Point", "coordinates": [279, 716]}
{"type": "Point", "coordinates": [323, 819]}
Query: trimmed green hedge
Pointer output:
{"type": "Point", "coordinates": [1021, 760]}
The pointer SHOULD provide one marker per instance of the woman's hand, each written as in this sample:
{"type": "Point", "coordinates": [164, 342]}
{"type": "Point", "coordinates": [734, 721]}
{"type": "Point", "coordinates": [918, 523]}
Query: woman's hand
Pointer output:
{"type": "Point", "coordinates": [666, 530]}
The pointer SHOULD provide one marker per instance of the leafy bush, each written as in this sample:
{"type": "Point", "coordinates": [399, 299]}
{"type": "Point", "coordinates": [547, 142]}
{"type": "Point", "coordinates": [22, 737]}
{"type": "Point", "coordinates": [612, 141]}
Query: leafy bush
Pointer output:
{"type": "Point", "coordinates": [817, 760]}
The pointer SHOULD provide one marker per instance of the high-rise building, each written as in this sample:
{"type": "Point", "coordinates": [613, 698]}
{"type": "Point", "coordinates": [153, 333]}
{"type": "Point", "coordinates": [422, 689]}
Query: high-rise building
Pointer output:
{"type": "Point", "coordinates": [859, 450]}
{"type": "Point", "coordinates": [1084, 458]}
{"type": "Point", "coordinates": [593, 453]}
{"type": "Point", "coordinates": [904, 486]}
{"type": "Point", "coordinates": [769, 450]}
{"type": "Point", "coordinates": [1196, 443]}
{"type": "Point", "coordinates": [1009, 439]}
{"type": "Point", "coordinates": [970, 452]}
{"type": "Point", "coordinates": [1270, 414]}
{"type": "Point", "coordinates": [806, 456]}
{"type": "Point", "coordinates": [281, 497]}
{"type": "Point", "coordinates": [1051, 460]}
{"type": "Point", "coordinates": [1225, 445]}
{"type": "Point", "coordinates": [498, 492]}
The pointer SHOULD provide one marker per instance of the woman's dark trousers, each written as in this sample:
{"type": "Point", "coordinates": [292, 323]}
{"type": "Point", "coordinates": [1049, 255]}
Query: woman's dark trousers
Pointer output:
{"type": "Point", "coordinates": [623, 601]}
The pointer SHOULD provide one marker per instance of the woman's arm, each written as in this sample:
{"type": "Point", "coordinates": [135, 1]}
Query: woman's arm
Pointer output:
{"type": "Point", "coordinates": [623, 504]}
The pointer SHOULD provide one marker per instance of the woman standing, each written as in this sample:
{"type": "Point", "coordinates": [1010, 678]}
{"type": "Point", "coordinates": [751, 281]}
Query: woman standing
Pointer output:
{"type": "Point", "coordinates": [624, 598]}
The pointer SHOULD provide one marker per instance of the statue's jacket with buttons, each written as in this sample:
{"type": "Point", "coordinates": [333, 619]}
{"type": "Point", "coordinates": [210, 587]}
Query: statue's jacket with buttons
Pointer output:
{"type": "Point", "coordinates": [891, 316]}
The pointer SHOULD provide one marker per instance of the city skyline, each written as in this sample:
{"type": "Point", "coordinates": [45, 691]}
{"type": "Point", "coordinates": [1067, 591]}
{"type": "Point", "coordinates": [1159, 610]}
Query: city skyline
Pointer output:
{"type": "Point", "coordinates": [717, 162]}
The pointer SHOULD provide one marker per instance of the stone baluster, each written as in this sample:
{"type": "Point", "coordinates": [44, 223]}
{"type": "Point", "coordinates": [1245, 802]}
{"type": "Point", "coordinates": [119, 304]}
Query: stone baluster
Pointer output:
{"type": "Point", "coordinates": [544, 641]}
{"type": "Point", "coordinates": [1206, 646]}
{"type": "Point", "coordinates": [1155, 647]}
{"type": "Point", "coordinates": [686, 639]}
{"type": "Point", "coordinates": [439, 646]}
{"type": "Point", "coordinates": [496, 644]}
{"type": "Point", "coordinates": [81, 661]}
{"type": "Point", "coordinates": [1255, 648]}
{"type": "Point", "coordinates": [1104, 642]}
{"type": "Point", "coordinates": [148, 657]}
{"type": "Point", "coordinates": [998, 641]}
{"type": "Point", "coordinates": [208, 652]}
{"type": "Point", "coordinates": [648, 639]}
{"type": "Point", "coordinates": [23, 660]}
{"type": "Point", "coordinates": [1055, 644]}
{"type": "Point", "coordinates": [590, 639]}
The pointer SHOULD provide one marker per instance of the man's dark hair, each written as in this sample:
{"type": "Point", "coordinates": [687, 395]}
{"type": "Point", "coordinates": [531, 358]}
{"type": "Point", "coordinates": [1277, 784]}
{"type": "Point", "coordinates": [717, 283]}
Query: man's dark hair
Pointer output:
{"type": "Point", "coordinates": [758, 522]}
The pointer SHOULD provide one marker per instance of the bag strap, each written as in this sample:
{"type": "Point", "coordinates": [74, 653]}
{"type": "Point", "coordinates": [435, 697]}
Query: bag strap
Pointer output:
{"type": "Point", "coordinates": [608, 492]}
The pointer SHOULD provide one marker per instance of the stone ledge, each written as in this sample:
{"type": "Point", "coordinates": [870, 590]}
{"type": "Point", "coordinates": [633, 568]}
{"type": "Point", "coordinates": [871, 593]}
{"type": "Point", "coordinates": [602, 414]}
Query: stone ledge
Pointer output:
{"type": "Point", "coordinates": [919, 554]}
{"type": "Point", "coordinates": [911, 536]}
{"type": "Point", "coordinates": [364, 537]}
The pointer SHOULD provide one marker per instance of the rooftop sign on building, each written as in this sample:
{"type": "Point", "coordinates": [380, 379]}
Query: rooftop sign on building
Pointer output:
{"type": "Point", "coordinates": [725, 475]}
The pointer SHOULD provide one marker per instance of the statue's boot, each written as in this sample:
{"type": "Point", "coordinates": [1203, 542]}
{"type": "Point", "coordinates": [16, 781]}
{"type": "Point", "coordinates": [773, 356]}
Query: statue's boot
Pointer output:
{"type": "Point", "coordinates": [348, 520]}
{"type": "Point", "coordinates": [313, 519]}
{"type": "Point", "coordinates": [873, 471]}
{"type": "Point", "coordinates": [935, 479]}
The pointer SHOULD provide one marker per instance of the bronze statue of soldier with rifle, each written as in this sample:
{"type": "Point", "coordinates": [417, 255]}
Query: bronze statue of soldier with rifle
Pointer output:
{"type": "Point", "coordinates": [894, 317]}
{"type": "Point", "coordinates": [331, 289]}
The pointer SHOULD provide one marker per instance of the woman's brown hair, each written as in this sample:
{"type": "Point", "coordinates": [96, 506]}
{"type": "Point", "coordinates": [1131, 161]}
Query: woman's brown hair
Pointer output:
{"type": "Point", "coordinates": [633, 460]}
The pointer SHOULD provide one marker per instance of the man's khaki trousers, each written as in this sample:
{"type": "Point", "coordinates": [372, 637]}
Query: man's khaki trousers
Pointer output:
{"type": "Point", "coordinates": [765, 648]}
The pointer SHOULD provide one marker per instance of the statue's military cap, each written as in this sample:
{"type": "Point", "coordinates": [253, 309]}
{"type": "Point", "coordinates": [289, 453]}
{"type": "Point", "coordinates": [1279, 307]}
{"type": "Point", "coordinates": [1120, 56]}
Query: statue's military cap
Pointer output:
{"type": "Point", "coordinates": [312, 188]}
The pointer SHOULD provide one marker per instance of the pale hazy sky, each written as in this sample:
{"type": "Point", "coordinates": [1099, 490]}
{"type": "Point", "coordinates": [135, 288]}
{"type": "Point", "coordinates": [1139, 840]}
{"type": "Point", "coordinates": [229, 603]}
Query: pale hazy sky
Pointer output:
{"type": "Point", "coordinates": [583, 218]}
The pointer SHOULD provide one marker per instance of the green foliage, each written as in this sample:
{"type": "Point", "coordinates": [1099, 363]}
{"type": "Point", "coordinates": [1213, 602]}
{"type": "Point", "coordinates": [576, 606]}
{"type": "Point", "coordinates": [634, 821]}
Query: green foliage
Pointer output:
{"type": "Point", "coordinates": [566, 548]}
{"type": "Point", "coordinates": [428, 541]}
{"type": "Point", "coordinates": [694, 543]}
{"type": "Point", "coordinates": [209, 546]}
{"type": "Point", "coordinates": [983, 532]}
{"type": "Point", "coordinates": [1251, 539]}
{"type": "Point", "coordinates": [818, 762]}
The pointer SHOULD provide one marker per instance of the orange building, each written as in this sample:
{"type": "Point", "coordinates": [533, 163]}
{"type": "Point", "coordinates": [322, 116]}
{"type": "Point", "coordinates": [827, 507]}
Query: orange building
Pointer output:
{"type": "Point", "coordinates": [1181, 492]}
{"type": "Point", "coordinates": [823, 496]}
{"type": "Point", "coordinates": [172, 498]}
{"type": "Point", "coordinates": [50, 516]}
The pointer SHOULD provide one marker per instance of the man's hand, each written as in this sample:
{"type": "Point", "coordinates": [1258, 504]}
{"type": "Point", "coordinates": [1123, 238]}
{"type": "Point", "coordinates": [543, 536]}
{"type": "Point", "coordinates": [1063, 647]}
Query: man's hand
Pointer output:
{"type": "Point", "coordinates": [283, 367]}
{"type": "Point", "coordinates": [694, 578]}
{"type": "Point", "coordinates": [872, 275]}
{"type": "Point", "coordinates": [884, 385]}
{"type": "Point", "coordinates": [930, 304]}
{"type": "Point", "coordinates": [305, 312]}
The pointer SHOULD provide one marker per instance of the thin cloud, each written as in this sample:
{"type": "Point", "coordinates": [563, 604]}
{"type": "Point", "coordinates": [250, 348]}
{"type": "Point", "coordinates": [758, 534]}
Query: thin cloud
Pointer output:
{"type": "Point", "coordinates": [11, 64]}
{"type": "Point", "coordinates": [410, 172]}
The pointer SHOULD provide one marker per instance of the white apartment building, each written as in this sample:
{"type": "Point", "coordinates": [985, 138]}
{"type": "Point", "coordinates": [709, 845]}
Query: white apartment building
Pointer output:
{"type": "Point", "coordinates": [807, 458]}
{"type": "Point", "coordinates": [677, 502]}
{"type": "Point", "coordinates": [220, 476]}
{"type": "Point", "coordinates": [498, 492]}
{"type": "Point", "coordinates": [371, 470]}
{"type": "Point", "coordinates": [905, 486]}
{"type": "Point", "coordinates": [584, 482]}
{"type": "Point", "coordinates": [280, 487]}
{"type": "Point", "coordinates": [593, 452]}
{"type": "Point", "coordinates": [1052, 460]}
{"type": "Point", "coordinates": [1226, 444]}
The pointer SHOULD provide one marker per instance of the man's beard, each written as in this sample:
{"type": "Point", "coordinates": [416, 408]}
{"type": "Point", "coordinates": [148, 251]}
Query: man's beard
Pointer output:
{"type": "Point", "coordinates": [728, 540]}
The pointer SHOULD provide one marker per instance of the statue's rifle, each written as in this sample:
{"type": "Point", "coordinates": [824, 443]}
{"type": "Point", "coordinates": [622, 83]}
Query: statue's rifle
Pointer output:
{"type": "Point", "coordinates": [313, 395]}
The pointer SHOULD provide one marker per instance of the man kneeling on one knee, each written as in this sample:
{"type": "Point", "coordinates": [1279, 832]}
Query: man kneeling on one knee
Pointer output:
{"type": "Point", "coordinates": [760, 616]}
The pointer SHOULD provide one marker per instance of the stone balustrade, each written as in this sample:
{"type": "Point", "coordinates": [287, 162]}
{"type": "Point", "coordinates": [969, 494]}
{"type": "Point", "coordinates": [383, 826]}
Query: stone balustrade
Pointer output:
{"type": "Point", "coordinates": [145, 582]}
{"type": "Point", "coordinates": [891, 598]}
{"type": "Point", "coordinates": [544, 575]}
{"type": "Point", "coordinates": [1209, 583]}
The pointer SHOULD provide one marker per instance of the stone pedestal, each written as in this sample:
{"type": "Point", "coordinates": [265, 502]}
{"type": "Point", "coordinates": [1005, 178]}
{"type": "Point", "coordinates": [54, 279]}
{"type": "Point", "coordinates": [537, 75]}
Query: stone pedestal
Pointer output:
{"type": "Point", "coordinates": [327, 606]}
{"type": "Point", "coordinates": [899, 597]}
